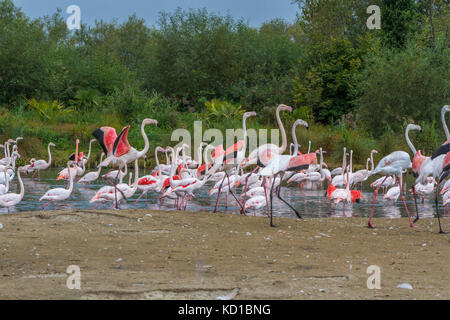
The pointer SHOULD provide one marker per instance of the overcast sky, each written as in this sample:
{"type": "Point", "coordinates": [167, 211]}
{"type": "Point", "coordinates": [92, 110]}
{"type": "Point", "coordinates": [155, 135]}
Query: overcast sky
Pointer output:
{"type": "Point", "coordinates": [253, 11]}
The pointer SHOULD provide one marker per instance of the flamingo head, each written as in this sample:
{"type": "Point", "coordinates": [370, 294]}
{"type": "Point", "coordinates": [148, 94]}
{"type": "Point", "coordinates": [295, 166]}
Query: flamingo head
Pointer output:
{"type": "Point", "coordinates": [150, 121]}
{"type": "Point", "coordinates": [284, 107]}
{"type": "Point", "coordinates": [249, 114]}
{"type": "Point", "coordinates": [300, 122]}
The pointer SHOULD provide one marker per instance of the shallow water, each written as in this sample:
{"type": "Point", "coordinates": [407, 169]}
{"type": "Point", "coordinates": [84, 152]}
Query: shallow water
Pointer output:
{"type": "Point", "coordinates": [309, 203]}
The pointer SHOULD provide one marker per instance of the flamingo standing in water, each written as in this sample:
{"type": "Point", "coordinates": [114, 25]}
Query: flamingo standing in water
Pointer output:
{"type": "Point", "coordinates": [117, 148]}
{"type": "Point", "coordinates": [151, 182]}
{"type": "Point", "coordinates": [59, 194]}
{"type": "Point", "coordinates": [11, 199]}
{"type": "Point", "coordinates": [4, 188]}
{"type": "Point", "coordinates": [92, 176]}
{"type": "Point", "coordinates": [265, 153]}
{"type": "Point", "coordinates": [232, 158]}
{"type": "Point", "coordinates": [361, 175]}
{"type": "Point", "coordinates": [42, 164]}
{"type": "Point", "coordinates": [393, 163]}
{"type": "Point", "coordinates": [282, 163]}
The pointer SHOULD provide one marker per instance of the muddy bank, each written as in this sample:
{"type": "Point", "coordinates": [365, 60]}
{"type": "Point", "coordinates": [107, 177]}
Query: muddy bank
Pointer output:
{"type": "Point", "coordinates": [141, 254]}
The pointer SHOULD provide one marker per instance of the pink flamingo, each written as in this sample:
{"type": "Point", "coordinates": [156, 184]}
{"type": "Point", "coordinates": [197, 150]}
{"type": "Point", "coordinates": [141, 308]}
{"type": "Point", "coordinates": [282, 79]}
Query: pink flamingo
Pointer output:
{"type": "Point", "coordinates": [117, 148]}
{"type": "Point", "coordinates": [150, 182]}
{"type": "Point", "coordinates": [265, 153]}
{"type": "Point", "coordinates": [231, 159]}
{"type": "Point", "coordinates": [282, 163]}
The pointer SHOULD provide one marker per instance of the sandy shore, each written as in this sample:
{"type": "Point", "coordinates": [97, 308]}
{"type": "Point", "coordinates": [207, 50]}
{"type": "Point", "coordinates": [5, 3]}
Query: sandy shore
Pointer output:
{"type": "Point", "coordinates": [145, 254]}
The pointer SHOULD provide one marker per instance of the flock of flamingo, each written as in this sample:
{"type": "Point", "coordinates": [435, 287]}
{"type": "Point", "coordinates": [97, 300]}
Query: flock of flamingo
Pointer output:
{"type": "Point", "coordinates": [267, 168]}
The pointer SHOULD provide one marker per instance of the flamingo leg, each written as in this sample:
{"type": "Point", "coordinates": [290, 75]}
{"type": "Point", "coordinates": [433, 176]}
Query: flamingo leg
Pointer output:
{"type": "Point", "coordinates": [265, 194]}
{"type": "Point", "coordinates": [95, 207]}
{"type": "Point", "coordinates": [406, 208]}
{"type": "Point", "coordinates": [415, 202]}
{"type": "Point", "coordinates": [43, 207]}
{"type": "Point", "coordinates": [437, 211]}
{"type": "Point", "coordinates": [279, 197]}
{"type": "Point", "coordinates": [234, 196]}
{"type": "Point", "coordinates": [371, 225]}
{"type": "Point", "coordinates": [138, 199]}
{"type": "Point", "coordinates": [218, 194]}
{"type": "Point", "coordinates": [226, 196]}
{"type": "Point", "coordinates": [271, 203]}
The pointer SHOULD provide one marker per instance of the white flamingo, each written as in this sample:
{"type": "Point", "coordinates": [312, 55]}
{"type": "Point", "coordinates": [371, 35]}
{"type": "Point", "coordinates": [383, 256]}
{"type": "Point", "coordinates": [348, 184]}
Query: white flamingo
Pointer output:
{"type": "Point", "coordinates": [58, 194]}
{"type": "Point", "coordinates": [92, 176]}
{"type": "Point", "coordinates": [39, 165]}
{"type": "Point", "coordinates": [11, 199]}
{"type": "Point", "coordinates": [394, 164]}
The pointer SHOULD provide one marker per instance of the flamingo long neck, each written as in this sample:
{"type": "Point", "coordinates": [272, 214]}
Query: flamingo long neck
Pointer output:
{"type": "Point", "coordinates": [205, 156]}
{"type": "Point", "coordinates": [76, 151]}
{"type": "Point", "coordinates": [167, 158]}
{"type": "Point", "coordinates": [367, 164]}
{"type": "Point", "coordinates": [283, 132]}
{"type": "Point", "coordinates": [244, 127]}
{"type": "Point", "coordinates": [136, 175]}
{"type": "Point", "coordinates": [146, 143]}
{"type": "Point", "coordinates": [309, 146]}
{"type": "Point", "coordinates": [371, 161]}
{"type": "Point", "coordinates": [89, 152]}
{"type": "Point", "coordinates": [321, 158]}
{"type": "Point", "coordinates": [408, 141]}
{"type": "Point", "coordinates": [13, 162]}
{"type": "Point", "coordinates": [6, 179]}
{"type": "Point", "coordinates": [100, 168]}
{"type": "Point", "coordinates": [444, 123]}
{"type": "Point", "coordinates": [322, 173]}
{"type": "Point", "coordinates": [347, 185]}
{"type": "Point", "coordinates": [174, 165]}
{"type": "Point", "coordinates": [8, 154]}
{"type": "Point", "coordinates": [22, 188]}
{"type": "Point", "coordinates": [70, 180]}
{"type": "Point", "coordinates": [49, 155]}
{"type": "Point", "coordinates": [157, 162]}
{"type": "Point", "coordinates": [351, 161]}
{"type": "Point", "coordinates": [122, 174]}
{"type": "Point", "coordinates": [6, 151]}
{"type": "Point", "coordinates": [199, 155]}
{"type": "Point", "coordinates": [344, 161]}
{"type": "Point", "coordinates": [294, 137]}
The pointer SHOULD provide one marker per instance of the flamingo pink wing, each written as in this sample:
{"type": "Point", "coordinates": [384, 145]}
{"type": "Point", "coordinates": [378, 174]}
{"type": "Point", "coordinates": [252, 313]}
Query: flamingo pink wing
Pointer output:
{"type": "Point", "coordinates": [121, 145]}
{"type": "Point", "coordinates": [106, 136]}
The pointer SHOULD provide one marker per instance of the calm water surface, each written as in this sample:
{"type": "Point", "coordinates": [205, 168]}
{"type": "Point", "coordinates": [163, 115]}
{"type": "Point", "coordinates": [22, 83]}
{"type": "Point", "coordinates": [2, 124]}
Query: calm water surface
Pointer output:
{"type": "Point", "coordinates": [310, 203]}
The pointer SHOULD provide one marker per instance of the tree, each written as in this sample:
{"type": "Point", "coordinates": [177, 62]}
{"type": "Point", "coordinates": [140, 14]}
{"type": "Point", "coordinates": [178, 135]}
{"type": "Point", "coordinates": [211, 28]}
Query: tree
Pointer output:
{"type": "Point", "coordinates": [398, 21]}
{"type": "Point", "coordinates": [401, 87]}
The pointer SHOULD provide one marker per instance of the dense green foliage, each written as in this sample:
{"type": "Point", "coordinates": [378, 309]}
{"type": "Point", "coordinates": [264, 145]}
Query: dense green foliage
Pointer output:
{"type": "Point", "coordinates": [357, 87]}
